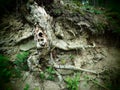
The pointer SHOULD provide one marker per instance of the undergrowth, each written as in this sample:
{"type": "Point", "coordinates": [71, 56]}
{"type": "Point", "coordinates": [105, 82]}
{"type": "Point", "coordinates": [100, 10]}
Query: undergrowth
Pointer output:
{"type": "Point", "coordinates": [21, 63]}
{"type": "Point", "coordinates": [73, 82]}
{"type": "Point", "coordinates": [49, 74]}
{"type": "Point", "coordinates": [114, 20]}
{"type": "Point", "coordinates": [5, 69]}
{"type": "Point", "coordinates": [26, 87]}
{"type": "Point", "coordinates": [21, 60]}
{"type": "Point", "coordinates": [86, 7]}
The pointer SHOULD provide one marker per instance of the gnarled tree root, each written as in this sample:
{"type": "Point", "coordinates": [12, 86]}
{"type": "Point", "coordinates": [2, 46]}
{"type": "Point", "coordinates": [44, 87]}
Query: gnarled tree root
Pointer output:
{"type": "Point", "coordinates": [39, 16]}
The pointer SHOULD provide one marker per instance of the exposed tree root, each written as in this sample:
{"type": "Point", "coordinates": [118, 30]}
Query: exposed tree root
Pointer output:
{"type": "Point", "coordinates": [68, 45]}
{"type": "Point", "coordinates": [73, 68]}
{"type": "Point", "coordinates": [24, 37]}
{"type": "Point", "coordinates": [55, 65]}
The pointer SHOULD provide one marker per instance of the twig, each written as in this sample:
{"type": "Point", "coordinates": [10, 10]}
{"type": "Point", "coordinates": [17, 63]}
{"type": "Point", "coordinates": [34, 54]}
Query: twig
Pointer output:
{"type": "Point", "coordinates": [73, 68]}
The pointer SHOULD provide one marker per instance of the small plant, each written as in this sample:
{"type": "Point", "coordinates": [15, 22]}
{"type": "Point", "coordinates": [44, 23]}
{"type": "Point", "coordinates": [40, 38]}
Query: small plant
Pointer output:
{"type": "Point", "coordinates": [57, 12]}
{"type": "Point", "coordinates": [42, 76]}
{"type": "Point", "coordinates": [73, 82]}
{"type": "Point", "coordinates": [21, 63]}
{"type": "Point", "coordinates": [51, 72]}
{"type": "Point", "coordinates": [71, 56]}
{"type": "Point", "coordinates": [36, 88]}
{"type": "Point", "coordinates": [91, 9]}
{"type": "Point", "coordinates": [21, 60]}
{"type": "Point", "coordinates": [26, 87]}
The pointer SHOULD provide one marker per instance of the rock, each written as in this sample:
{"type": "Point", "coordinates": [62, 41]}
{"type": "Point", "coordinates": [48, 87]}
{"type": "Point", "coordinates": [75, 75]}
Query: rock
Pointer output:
{"type": "Point", "coordinates": [50, 85]}
{"type": "Point", "coordinates": [27, 46]}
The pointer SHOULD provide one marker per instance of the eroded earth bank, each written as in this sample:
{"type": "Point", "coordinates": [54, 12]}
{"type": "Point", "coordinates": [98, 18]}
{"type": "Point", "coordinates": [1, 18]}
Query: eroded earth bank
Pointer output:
{"type": "Point", "coordinates": [60, 46]}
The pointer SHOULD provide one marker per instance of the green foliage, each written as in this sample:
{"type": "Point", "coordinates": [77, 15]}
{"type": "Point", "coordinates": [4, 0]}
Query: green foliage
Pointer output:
{"type": "Point", "coordinates": [73, 82]}
{"type": "Point", "coordinates": [9, 88]}
{"type": "Point", "coordinates": [91, 9]}
{"type": "Point", "coordinates": [36, 88]}
{"type": "Point", "coordinates": [82, 9]}
{"type": "Point", "coordinates": [21, 63]}
{"type": "Point", "coordinates": [51, 72]}
{"type": "Point", "coordinates": [71, 56]}
{"type": "Point", "coordinates": [26, 87]}
{"type": "Point", "coordinates": [63, 61]}
{"type": "Point", "coordinates": [5, 69]}
{"type": "Point", "coordinates": [57, 12]}
{"type": "Point", "coordinates": [21, 60]}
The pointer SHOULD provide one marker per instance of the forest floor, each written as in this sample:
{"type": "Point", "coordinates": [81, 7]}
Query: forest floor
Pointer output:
{"type": "Point", "coordinates": [103, 59]}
